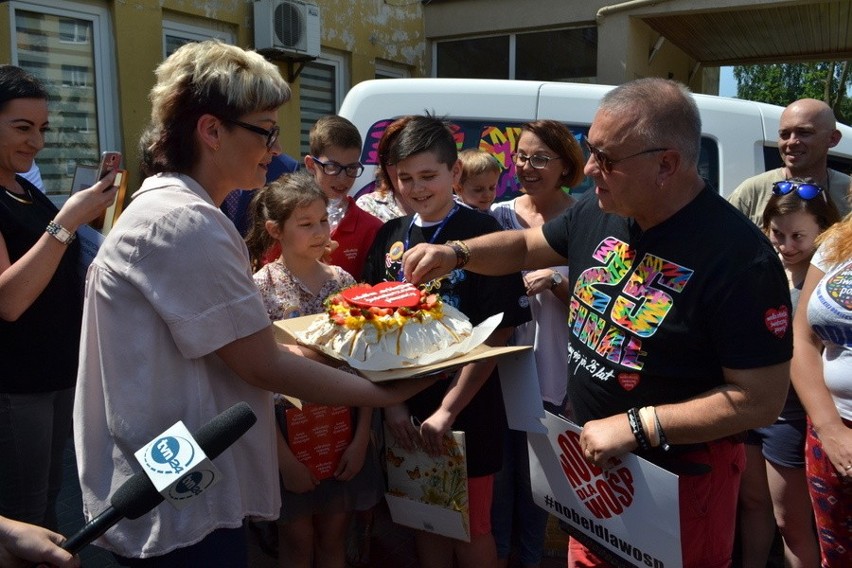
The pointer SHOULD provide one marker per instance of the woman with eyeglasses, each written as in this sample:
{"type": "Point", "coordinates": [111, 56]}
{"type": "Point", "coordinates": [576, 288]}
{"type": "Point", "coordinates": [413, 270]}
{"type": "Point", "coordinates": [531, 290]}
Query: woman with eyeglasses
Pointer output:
{"type": "Point", "coordinates": [774, 489]}
{"type": "Point", "coordinates": [548, 162]}
{"type": "Point", "coordinates": [822, 377]}
{"type": "Point", "coordinates": [40, 306]}
{"type": "Point", "coordinates": [174, 326]}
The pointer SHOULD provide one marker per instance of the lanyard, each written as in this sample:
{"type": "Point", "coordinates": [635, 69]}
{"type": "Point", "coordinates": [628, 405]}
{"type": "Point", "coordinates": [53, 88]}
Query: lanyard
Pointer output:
{"type": "Point", "coordinates": [432, 240]}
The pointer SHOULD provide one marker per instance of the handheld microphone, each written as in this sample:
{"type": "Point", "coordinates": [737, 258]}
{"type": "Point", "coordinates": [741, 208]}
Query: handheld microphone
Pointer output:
{"type": "Point", "coordinates": [137, 495]}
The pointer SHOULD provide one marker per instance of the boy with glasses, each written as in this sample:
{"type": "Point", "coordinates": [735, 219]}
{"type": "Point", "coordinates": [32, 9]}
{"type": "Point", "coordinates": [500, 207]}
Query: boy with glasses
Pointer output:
{"type": "Point", "coordinates": [335, 146]}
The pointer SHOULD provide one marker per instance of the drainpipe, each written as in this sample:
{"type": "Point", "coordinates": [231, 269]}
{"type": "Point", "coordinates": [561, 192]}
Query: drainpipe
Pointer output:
{"type": "Point", "coordinates": [614, 8]}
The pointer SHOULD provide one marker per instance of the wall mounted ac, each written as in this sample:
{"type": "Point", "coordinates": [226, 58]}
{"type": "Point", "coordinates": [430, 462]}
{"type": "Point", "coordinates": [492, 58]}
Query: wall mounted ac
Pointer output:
{"type": "Point", "coordinates": [287, 27]}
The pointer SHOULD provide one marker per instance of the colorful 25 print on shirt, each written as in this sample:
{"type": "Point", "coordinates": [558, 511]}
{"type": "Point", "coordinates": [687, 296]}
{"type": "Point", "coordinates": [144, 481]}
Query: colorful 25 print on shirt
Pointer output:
{"type": "Point", "coordinates": [645, 293]}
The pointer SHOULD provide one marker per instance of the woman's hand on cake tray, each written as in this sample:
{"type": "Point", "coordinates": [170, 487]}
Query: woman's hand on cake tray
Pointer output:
{"type": "Point", "coordinates": [425, 262]}
{"type": "Point", "coordinates": [434, 429]}
{"type": "Point", "coordinates": [398, 421]}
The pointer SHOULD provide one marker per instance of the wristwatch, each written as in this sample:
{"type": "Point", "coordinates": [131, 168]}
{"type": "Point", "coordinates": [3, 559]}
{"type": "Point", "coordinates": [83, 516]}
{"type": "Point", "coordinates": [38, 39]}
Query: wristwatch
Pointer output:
{"type": "Point", "coordinates": [60, 233]}
{"type": "Point", "coordinates": [555, 280]}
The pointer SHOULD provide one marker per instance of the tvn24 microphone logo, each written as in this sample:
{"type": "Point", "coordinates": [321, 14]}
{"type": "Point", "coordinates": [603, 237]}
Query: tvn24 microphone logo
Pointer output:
{"type": "Point", "coordinates": [192, 484]}
{"type": "Point", "coordinates": [169, 455]}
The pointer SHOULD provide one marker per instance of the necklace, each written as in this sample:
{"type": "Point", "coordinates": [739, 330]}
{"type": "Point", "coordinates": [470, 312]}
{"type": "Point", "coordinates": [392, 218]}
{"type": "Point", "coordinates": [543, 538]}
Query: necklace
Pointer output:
{"type": "Point", "coordinates": [26, 199]}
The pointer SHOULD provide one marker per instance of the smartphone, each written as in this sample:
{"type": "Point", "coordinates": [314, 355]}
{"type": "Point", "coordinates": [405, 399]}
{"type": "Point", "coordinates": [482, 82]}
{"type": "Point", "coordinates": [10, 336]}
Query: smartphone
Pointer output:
{"type": "Point", "coordinates": [109, 163]}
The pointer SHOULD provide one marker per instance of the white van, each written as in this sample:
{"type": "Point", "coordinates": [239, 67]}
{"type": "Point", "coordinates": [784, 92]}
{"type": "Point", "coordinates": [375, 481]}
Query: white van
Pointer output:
{"type": "Point", "coordinates": [738, 139]}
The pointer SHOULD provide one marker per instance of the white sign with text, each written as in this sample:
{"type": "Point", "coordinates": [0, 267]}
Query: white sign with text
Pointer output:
{"type": "Point", "coordinates": [628, 512]}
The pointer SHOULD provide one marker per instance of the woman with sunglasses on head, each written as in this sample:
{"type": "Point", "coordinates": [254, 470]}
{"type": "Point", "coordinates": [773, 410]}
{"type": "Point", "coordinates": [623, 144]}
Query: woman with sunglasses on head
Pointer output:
{"type": "Point", "coordinates": [174, 326]}
{"type": "Point", "coordinates": [40, 306]}
{"type": "Point", "coordinates": [822, 377]}
{"type": "Point", "coordinates": [774, 489]}
{"type": "Point", "coordinates": [548, 161]}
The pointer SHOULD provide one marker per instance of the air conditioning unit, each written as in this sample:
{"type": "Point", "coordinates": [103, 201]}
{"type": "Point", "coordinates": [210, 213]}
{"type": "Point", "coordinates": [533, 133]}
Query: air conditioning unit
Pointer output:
{"type": "Point", "coordinates": [287, 27]}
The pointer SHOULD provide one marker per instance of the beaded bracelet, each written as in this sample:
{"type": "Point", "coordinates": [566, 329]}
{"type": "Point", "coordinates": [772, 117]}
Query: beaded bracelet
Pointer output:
{"type": "Point", "coordinates": [638, 431]}
{"type": "Point", "coordinates": [462, 252]}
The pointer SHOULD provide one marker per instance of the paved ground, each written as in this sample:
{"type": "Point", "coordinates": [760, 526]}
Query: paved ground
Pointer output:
{"type": "Point", "coordinates": [392, 546]}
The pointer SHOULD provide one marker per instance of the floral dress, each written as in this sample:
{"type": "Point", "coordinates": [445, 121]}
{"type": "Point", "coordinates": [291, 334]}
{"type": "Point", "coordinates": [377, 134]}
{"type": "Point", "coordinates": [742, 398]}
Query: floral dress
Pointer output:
{"type": "Point", "coordinates": [285, 296]}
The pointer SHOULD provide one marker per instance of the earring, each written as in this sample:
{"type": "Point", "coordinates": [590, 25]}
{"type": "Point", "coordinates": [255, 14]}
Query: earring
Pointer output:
{"type": "Point", "coordinates": [216, 148]}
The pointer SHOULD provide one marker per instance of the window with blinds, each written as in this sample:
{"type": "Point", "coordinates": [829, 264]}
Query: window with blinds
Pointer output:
{"type": "Point", "coordinates": [318, 97]}
{"type": "Point", "coordinates": [58, 50]}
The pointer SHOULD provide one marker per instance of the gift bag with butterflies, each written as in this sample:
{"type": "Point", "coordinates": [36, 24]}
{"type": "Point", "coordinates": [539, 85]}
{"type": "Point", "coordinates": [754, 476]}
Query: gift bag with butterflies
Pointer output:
{"type": "Point", "coordinates": [429, 493]}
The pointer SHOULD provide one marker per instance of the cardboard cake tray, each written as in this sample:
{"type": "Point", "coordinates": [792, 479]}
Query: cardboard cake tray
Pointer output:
{"type": "Point", "coordinates": [285, 332]}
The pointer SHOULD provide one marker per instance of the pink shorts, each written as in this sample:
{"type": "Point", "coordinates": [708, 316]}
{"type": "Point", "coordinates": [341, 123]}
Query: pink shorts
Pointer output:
{"type": "Point", "coordinates": [708, 508]}
{"type": "Point", "coordinates": [480, 492]}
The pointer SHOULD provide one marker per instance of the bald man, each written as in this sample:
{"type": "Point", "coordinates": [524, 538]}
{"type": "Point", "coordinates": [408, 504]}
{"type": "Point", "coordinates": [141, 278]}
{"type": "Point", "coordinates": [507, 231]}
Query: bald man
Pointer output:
{"type": "Point", "coordinates": [806, 132]}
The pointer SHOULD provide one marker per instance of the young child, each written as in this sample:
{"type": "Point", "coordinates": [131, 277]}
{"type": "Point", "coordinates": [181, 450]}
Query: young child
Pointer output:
{"type": "Point", "coordinates": [470, 400]}
{"type": "Point", "coordinates": [774, 488]}
{"type": "Point", "coordinates": [314, 514]}
{"type": "Point", "coordinates": [335, 146]}
{"type": "Point", "coordinates": [480, 172]}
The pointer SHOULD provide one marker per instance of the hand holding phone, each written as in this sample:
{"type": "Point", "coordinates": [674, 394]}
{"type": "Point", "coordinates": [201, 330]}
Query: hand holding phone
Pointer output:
{"type": "Point", "coordinates": [109, 163]}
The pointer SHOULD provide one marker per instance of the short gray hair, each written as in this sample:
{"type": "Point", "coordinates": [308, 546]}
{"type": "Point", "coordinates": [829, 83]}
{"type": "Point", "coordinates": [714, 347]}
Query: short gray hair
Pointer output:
{"type": "Point", "coordinates": [665, 111]}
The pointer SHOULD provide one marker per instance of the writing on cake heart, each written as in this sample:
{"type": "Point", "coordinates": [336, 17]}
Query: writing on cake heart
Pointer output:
{"type": "Point", "coordinates": [383, 295]}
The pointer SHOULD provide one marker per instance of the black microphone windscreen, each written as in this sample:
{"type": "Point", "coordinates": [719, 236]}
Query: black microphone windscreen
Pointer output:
{"type": "Point", "coordinates": [225, 429]}
{"type": "Point", "coordinates": [137, 495]}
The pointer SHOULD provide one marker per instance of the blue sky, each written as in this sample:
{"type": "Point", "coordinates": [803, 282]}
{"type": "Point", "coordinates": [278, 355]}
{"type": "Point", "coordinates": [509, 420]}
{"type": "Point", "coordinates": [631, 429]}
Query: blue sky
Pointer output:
{"type": "Point", "coordinates": [727, 83]}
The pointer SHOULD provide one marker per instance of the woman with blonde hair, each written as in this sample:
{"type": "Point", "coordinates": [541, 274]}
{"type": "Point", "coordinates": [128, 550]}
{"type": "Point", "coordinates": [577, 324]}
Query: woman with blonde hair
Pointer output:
{"type": "Point", "coordinates": [174, 326]}
{"type": "Point", "coordinates": [822, 376]}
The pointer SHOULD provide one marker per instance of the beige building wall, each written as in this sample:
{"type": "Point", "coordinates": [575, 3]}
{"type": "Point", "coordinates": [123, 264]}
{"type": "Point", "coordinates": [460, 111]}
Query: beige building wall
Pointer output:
{"type": "Point", "coordinates": [364, 32]}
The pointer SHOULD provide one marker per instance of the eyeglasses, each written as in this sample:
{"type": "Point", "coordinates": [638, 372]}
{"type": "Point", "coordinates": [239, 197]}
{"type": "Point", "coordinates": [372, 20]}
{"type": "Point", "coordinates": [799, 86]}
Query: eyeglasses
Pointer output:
{"type": "Point", "coordinates": [806, 191]}
{"type": "Point", "coordinates": [331, 168]}
{"type": "Point", "coordinates": [605, 163]}
{"type": "Point", "coordinates": [537, 161]}
{"type": "Point", "coordinates": [271, 134]}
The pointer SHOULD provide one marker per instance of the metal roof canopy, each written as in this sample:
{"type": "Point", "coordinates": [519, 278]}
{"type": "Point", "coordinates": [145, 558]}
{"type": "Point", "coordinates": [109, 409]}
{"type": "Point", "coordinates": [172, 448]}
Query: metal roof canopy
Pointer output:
{"type": "Point", "coordinates": [749, 34]}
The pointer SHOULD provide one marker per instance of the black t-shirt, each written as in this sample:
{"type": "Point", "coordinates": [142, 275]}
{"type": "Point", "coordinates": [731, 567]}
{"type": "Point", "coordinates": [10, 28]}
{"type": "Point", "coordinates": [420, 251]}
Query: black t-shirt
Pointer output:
{"type": "Point", "coordinates": [656, 315]}
{"type": "Point", "coordinates": [478, 297]}
{"type": "Point", "coordinates": [40, 350]}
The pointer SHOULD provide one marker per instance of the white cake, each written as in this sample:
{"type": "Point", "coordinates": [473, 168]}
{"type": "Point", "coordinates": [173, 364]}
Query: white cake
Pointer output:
{"type": "Point", "coordinates": [357, 331]}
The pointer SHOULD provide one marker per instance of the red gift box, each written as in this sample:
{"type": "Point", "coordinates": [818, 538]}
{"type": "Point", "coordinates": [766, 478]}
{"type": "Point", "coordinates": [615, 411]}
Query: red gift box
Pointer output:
{"type": "Point", "coordinates": [318, 435]}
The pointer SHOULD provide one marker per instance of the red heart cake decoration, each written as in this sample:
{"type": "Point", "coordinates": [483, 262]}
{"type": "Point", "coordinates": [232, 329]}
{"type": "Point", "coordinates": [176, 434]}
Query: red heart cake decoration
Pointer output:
{"type": "Point", "coordinates": [383, 295]}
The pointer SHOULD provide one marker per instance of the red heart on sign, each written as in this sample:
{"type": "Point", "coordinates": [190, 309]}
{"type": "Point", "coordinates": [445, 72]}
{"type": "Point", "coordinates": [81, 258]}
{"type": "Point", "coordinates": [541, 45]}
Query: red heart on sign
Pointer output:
{"type": "Point", "coordinates": [383, 295]}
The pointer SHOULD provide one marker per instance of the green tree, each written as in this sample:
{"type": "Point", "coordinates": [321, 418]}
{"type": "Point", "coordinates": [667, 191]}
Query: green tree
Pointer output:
{"type": "Point", "coordinates": [783, 83]}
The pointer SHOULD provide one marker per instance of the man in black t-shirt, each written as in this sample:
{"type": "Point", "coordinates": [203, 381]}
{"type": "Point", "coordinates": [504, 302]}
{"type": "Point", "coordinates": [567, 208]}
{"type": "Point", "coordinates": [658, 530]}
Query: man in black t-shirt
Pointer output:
{"type": "Point", "coordinates": [680, 316]}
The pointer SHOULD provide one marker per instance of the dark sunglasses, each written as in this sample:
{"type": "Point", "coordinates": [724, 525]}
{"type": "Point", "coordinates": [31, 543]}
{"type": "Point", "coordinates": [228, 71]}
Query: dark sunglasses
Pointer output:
{"type": "Point", "coordinates": [605, 163]}
{"type": "Point", "coordinates": [271, 134]}
{"type": "Point", "coordinates": [806, 191]}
